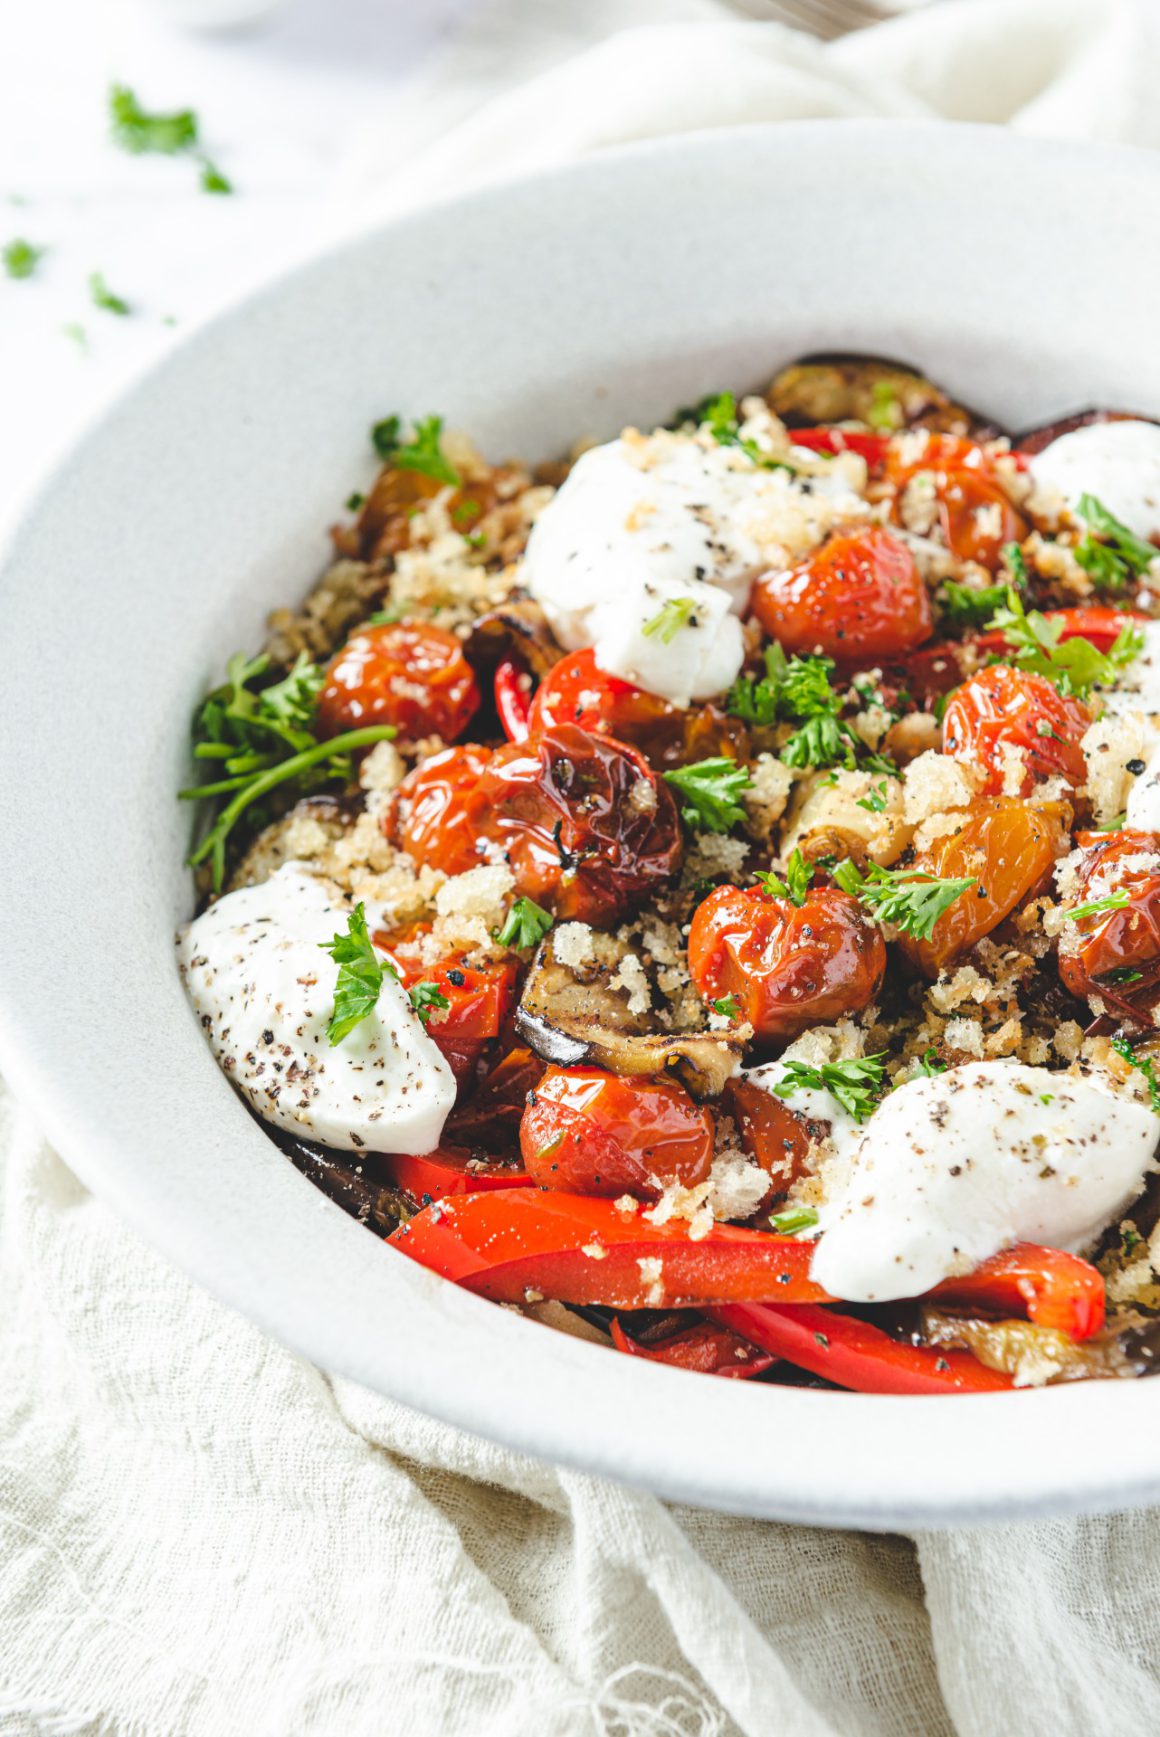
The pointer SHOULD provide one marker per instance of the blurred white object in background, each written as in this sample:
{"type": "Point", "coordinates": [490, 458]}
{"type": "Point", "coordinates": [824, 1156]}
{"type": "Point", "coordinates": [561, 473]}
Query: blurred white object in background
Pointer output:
{"type": "Point", "coordinates": [212, 14]}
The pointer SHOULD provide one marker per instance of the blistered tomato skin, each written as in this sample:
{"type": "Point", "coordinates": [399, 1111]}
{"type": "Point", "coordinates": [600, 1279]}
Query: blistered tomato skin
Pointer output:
{"type": "Point", "coordinates": [430, 815]}
{"type": "Point", "coordinates": [774, 1136]}
{"type": "Point", "coordinates": [975, 515]}
{"type": "Point", "coordinates": [858, 599]}
{"type": "Point", "coordinates": [577, 691]}
{"type": "Point", "coordinates": [585, 1131]}
{"type": "Point", "coordinates": [1115, 954]}
{"type": "Point", "coordinates": [790, 966]}
{"type": "Point", "coordinates": [1010, 847]}
{"type": "Point", "coordinates": [409, 674]}
{"type": "Point", "coordinates": [1002, 711]}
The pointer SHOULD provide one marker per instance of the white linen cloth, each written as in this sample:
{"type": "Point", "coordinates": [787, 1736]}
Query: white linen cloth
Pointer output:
{"type": "Point", "coordinates": [201, 1535]}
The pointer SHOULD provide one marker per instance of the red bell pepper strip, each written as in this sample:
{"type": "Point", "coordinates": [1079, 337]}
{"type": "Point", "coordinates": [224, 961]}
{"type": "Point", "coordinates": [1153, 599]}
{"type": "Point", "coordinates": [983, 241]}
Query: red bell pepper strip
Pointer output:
{"type": "Point", "coordinates": [708, 1348]}
{"type": "Point", "coordinates": [1051, 1288]}
{"type": "Point", "coordinates": [451, 1170]}
{"type": "Point", "coordinates": [854, 1354]}
{"type": "Point", "coordinates": [576, 1249]}
{"type": "Point", "coordinates": [871, 447]}
{"type": "Point", "coordinates": [512, 701]}
{"type": "Point", "coordinates": [1093, 621]}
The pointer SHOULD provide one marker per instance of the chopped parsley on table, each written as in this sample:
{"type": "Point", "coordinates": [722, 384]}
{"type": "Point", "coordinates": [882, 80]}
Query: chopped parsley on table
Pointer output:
{"type": "Point", "coordinates": [175, 134]}
{"type": "Point", "coordinates": [103, 297]}
{"type": "Point", "coordinates": [21, 258]}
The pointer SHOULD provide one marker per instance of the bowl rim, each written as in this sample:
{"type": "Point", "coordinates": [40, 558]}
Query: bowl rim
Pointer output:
{"type": "Point", "coordinates": [1032, 1457]}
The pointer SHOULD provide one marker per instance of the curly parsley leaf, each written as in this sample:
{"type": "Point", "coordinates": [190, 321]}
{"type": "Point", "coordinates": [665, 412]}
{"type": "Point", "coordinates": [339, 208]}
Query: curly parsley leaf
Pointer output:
{"type": "Point", "coordinates": [875, 803]}
{"type": "Point", "coordinates": [855, 1083]}
{"type": "Point", "coordinates": [422, 453]}
{"type": "Point", "coordinates": [1120, 557]}
{"type": "Point", "coordinates": [526, 924]}
{"type": "Point", "coordinates": [137, 131]}
{"type": "Point", "coordinates": [719, 415]}
{"type": "Point", "coordinates": [1116, 901]}
{"type": "Point", "coordinates": [929, 1064]}
{"type": "Point", "coordinates": [1143, 1065]}
{"type": "Point", "coordinates": [103, 297]}
{"type": "Point", "coordinates": [968, 605]}
{"type": "Point", "coordinates": [910, 899]}
{"type": "Point", "coordinates": [426, 999]}
{"type": "Point", "coordinates": [1074, 665]}
{"type": "Point", "coordinates": [728, 1007]}
{"type": "Point", "coordinates": [385, 436]}
{"type": "Point", "coordinates": [710, 789]}
{"type": "Point", "coordinates": [669, 619]}
{"type": "Point", "coordinates": [795, 886]}
{"type": "Point", "coordinates": [360, 975]}
{"type": "Point", "coordinates": [21, 258]}
{"type": "Point", "coordinates": [822, 741]}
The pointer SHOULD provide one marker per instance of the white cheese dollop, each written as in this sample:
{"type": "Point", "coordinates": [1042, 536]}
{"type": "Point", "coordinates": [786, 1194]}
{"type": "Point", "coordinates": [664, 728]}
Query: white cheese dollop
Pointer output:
{"type": "Point", "coordinates": [648, 519]}
{"type": "Point", "coordinates": [951, 1169]}
{"type": "Point", "coordinates": [264, 989]}
{"type": "Point", "coordinates": [1138, 687]}
{"type": "Point", "coordinates": [1117, 462]}
{"type": "Point", "coordinates": [811, 1103]}
{"type": "Point", "coordinates": [1143, 807]}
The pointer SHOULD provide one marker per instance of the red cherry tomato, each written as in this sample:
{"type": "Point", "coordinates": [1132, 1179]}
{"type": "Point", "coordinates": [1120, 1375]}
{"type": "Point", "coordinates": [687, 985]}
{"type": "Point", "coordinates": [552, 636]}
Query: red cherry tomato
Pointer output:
{"type": "Point", "coordinates": [1095, 621]}
{"type": "Point", "coordinates": [872, 447]}
{"type": "Point", "coordinates": [1116, 954]}
{"type": "Point", "coordinates": [490, 1116]}
{"type": "Point", "coordinates": [1000, 709]}
{"type": "Point", "coordinates": [590, 1132]}
{"type": "Point", "coordinates": [790, 966]}
{"type": "Point", "coordinates": [774, 1136]}
{"type": "Point", "coordinates": [479, 995]}
{"type": "Point", "coordinates": [924, 676]}
{"type": "Point", "coordinates": [430, 816]}
{"type": "Point", "coordinates": [859, 599]}
{"type": "Point", "coordinates": [406, 673]}
{"type": "Point", "coordinates": [975, 513]}
{"type": "Point", "coordinates": [578, 691]}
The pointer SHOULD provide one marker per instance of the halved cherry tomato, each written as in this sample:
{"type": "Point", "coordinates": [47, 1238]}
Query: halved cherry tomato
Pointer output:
{"type": "Point", "coordinates": [1094, 621]}
{"type": "Point", "coordinates": [1010, 847]}
{"type": "Point", "coordinates": [575, 1249]}
{"type": "Point", "coordinates": [511, 700]}
{"type": "Point", "coordinates": [790, 966]}
{"type": "Point", "coordinates": [1116, 954]}
{"type": "Point", "coordinates": [1001, 711]}
{"type": "Point", "coordinates": [490, 1117]}
{"type": "Point", "coordinates": [860, 598]}
{"type": "Point", "coordinates": [773, 1135]}
{"type": "Point", "coordinates": [430, 815]}
{"type": "Point", "coordinates": [578, 691]}
{"type": "Point", "coordinates": [479, 993]}
{"type": "Point", "coordinates": [1051, 1288]}
{"type": "Point", "coordinates": [854, 1354]}
{"type": "Point", "coordinates": [408, 673]}
{"type": "Point", "coordinates": [872, 447]}
{"type": "Point", "coordinates": [452, 1170]}
{"type": "Point", "coordinates": [975, 512]}
{"type": "Point", "coordinates": [590, 1132]}
{"type": "Point", "coordinates": [707, 1348]}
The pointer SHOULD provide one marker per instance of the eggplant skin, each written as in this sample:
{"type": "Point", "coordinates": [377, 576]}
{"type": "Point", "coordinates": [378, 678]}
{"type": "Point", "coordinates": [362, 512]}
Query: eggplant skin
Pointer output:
{"type": "Point", "coordinates": [348, 1179]}
{"type": "Point", "coordinates": [1034, 440]}
{"type": "Point", "coordinates": [844, 388]}
{"type": "Point", "coordinates": [568, 1018]}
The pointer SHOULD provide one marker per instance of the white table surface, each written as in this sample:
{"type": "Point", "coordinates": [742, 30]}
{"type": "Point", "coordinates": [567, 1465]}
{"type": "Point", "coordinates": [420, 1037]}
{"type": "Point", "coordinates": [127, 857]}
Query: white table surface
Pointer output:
{"type": "Point", "coordinates": [282, 108]}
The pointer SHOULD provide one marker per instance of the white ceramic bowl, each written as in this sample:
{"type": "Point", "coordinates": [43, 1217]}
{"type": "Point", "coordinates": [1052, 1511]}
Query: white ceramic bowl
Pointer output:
{"type": "Point", "coordinates": [1022, 276]}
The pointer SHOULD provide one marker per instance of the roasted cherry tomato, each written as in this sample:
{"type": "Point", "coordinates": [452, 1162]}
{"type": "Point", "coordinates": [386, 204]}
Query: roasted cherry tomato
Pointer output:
{"type": "Point", "coordinates": [385, 521]}
{"type": "Point", "coordinates": [406, 673]}
{"type": "Point", "coordinates": [858, 599]}
{"type": "Point", "coordinates": [872, 447]}
{"type": "Point", "coordinates": [774, 1136]}
{"type": "Point", "coordinates": [789, 966]}
{"type": "Point", "coordinates": [490, 1117]}
{"type": "Point", "coordinates": [1001, 712]}
{"type": "Point", "coordinates": [1010, 847]}
{"type": "Point", "coordinates": [478, 993]}
{"type": "Point", "coordinates": [430, 813]}
{"type": "Point", "coordinates": [586, 1131]}
{"type": "Point", "coordinates": [578, 691]}
{"type": "Point", "coordinates": [1116, 954]}
{"type": "Point", "coordinates": [975, 513]}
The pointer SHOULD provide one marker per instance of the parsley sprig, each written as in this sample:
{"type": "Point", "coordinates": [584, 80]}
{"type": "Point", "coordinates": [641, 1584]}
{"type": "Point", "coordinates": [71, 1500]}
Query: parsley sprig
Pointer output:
{"type": "Point", "coordinates": [1074, 665]}
{"type": "Point", "coordinates": [426, 999]}
{"type": "Point", "coordinates": [422, 453]}
{"type": "Point", "coordinates": [710, 789]}
{"type": "Point", "coordinates": [1143, 1065]}
{"type": "Point", "coordinates": [360, 975]}
{"type": "Point", "coordinates": [168, 135]}
{"type": "Point", "coordinates": [102, 296]}
{"type": "Point", "coordinates": [855, 1083]}
{"type": "Point", "coordinates": [262, 738]}
{"type": "Point", "coordinates": [800, 690]}
{"type": "Point", "coordinates": [1119, 557]}
{"type": "Point", "coordinates": [910, 899]}
{"type": "Point", "coordinates": [21, 258]}
{"type": "Point", "coordinates": [525, 925]}
{"type": "Point", "coordinates": [720, 417]}
{"type": "Point", "coordinates": [669, 619]}
{"type": "Point", "coordinates": [795, 886]}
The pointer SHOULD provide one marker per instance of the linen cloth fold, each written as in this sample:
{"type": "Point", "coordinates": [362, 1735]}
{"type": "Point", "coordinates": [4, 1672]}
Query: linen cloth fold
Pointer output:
{"type": "Point", "coordinates": [201, 1535]}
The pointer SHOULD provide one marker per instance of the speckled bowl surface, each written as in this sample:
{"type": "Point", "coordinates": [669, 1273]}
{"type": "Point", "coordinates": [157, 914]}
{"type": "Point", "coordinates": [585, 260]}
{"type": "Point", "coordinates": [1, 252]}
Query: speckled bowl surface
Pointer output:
{"type": "Point", "coordinates": [1019, 274]}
